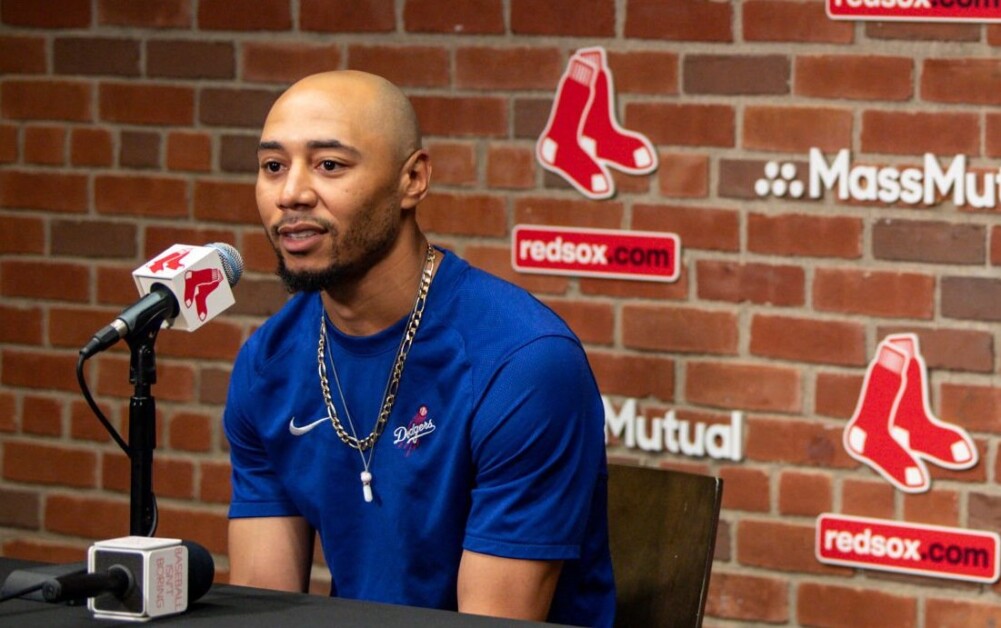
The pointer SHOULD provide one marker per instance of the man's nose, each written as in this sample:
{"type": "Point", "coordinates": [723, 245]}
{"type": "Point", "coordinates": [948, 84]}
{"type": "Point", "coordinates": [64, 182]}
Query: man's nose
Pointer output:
{"type": "Point", "coordinates": [297, 191]}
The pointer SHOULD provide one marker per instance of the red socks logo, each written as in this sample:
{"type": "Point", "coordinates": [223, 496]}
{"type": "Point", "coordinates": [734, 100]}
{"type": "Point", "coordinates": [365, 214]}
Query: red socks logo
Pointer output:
{"type": "Point", "coordinates": [893, 429]}
{"type": "Point", "coordinates": [198, 285]}
{"type": "Point", "coordinates": [582, 138]}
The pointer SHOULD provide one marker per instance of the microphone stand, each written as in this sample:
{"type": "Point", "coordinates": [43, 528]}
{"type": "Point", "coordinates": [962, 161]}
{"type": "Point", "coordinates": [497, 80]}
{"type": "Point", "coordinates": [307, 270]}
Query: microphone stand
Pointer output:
{"type": "Point", "coordinates": [142, 426]}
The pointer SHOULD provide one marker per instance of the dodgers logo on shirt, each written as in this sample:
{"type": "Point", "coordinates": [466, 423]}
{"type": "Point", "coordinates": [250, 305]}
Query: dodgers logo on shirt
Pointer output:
{"type": "Point", "coordinates": [408, 437]}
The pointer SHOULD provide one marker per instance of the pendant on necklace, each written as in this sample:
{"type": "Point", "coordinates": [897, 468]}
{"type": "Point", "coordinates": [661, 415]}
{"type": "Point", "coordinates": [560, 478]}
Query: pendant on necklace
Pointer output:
{"type": "Point", "coordinates": [366, 485]}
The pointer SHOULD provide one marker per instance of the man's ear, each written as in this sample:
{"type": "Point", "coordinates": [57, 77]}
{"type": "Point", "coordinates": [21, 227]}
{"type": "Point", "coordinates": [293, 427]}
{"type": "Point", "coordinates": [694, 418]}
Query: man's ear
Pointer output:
{"type": "Point", "coordinates": [416, 178]}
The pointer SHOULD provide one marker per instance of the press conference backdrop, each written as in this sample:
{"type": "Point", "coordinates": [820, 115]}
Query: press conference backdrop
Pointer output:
{"type": "Point", "coordinates": [126, 127]}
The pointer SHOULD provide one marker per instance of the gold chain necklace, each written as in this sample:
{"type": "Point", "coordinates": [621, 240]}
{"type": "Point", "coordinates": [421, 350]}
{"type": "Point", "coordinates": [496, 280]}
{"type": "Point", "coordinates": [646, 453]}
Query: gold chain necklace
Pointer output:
{"type": "Point", "coordinates": [392, 385]}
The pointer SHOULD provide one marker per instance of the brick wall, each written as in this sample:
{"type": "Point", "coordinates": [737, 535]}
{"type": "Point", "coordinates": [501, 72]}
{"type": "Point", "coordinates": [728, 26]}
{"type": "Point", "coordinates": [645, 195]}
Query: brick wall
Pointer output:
{"type": "Point", "coordinates": [128, 126]}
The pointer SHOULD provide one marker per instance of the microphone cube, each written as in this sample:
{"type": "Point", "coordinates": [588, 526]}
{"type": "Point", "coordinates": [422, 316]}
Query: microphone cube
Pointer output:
{"type": "Point", "coordinates": [159, 567]}
{"type": "Point", "coordinates": [195, 276]}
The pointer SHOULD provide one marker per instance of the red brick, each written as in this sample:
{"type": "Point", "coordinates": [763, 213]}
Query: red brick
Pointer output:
{"type": "Point", "coordinates": [368, 16]}
{"type": "Point", "coordinates": [215, 486]}
{"type": "Point", "coordinates": [41, 371]}
{"type": "Point", "coordinates": [419, 66]}
{"type": "Point", "coordinates": [48, 13]}
{"type": "Point", "coordinates": [736, 74]}
{"type": "Point", "coordinates": [46, 191]}
{"type": "Point", "coordinates": [510, 167]}
{"type": "Point", "coordinates": [679, 20]}
{"type": "Point", "coordinates": [855, 77]}
{"type": "Point", "coordinates": [190, 59]}
{"type": "Point", "coordinates": [909, 133]}
{"type": "Point", "coordinates": [993, 143]}
{"type": "Point", "coordinates": [46, 100]}
{"type": "Point", "coordinates": [683, 125]}
{"type": "Point", "coordinates": [783, 234]}
{"type": "Point", "coordinates": [225, 201]}
{"type": "Point", "coordinates": [115, 285]}
{"type": "Point", "coordinates": [472, 17]}
{"type": "Point", "coordinates": [801, 22]}
{"type": "Point", "coordinates": [805, 494]}
{"type": "Point", "coordinates": [976, 408]}
{"type": "Point", "coordinates": [633, 376]}
{"type": "Point", "coordinates": [626, 289]}
{"type": "Point", "coordinates": [805, 443]}
{"type": "Point", "coordinates": [568, 213]}
{"type": "Point", "coordinates": [22, 234]}
{"type": "Point", "coordinates": [797, 129]}
{"type": "Point", "coordinates": [454, 163]}
{"type": "Point", "coordinates": [566, 18]}
{"type": "Point", "coordinates": [867, 498]}
{"type": "Point", "coordinates": [951, 349]}
{"type": "Point", "coordinates": [141, 196]}
{"type": "Point", "coordinates": [189, 151]}
{"type": "Point", "coordinates": [507, 68]}
{"type": "Point", "coordinates": [593, 323]}
{"type": "Point", "coordinates": [837, 394]}
{"type": "Point", "coordinates": [20, 325]}
{"type": "Point", "coordinates": [923, 31]}
{"type": "Point", "coordinates": [214, 386]}
{"type": "Point", "coordinates": [780, 547]}
{"type": "Point", "coordinates": [44, 552]}
{"type": "Point", "coordinates": [462, 116]}
{"type": "Point", "coordinates": [746, 489]}
{"type": "Point", "coordinates": [996, 246]}
{"type": "Point", "coordinates": [936, 507]}
{"type": "Point", "coordinates": [72, 327]}
{"type": "Point", "coordinates": [935, 242]}
{"type": "Point", "coordinates": [644, 72]}
{"type": "Point", "coordinates": [148, 104]}
{"type": "Point", "coordinates": [221, 340]}
{"type": "Point", "coordinates": [960, 613]}
{"type": "Point", "coordinates": [85, 426]}
{"type": "Point", "coordinates": [754, 283]}
{"type": "Point", "coordinates": [748, 598]}
{"type": "Point", "coordinates": [207, 527]}
{"type": "Point", "coordinates": [21, 509]}
{"type": "Point", "coordinates": [42, 416]}
{"type": "Point", "coordinates": [286, 62]}
{"type": "Point", "coordinates": [885, 294]}
{"type": "Point", "coordinates": [463, 214]}
{"type": "Point", "coordinates": [682, 330]}
{"type": "Point", "coordinates": [44, 280]}
{"type": "Point", "coordinates": [91, 147]}
{"type": "Point", "coordinates": [63, 466]}
{"type": "Point", "coordinates": [807, 340]}
{"type": "Point", "coordinates": [971, 298]}
{"type": "Point", "coordinates": [683, 176]}
{"type": "Point", "coordinates": [96, 56]}
{"type": "Point", "coordinates": [22, 55]}
{"type": "Point", "coordinates": [827, 605]}
{"type": "Point", "coordinates": [161, 237]}
{"type": "Point", "coordinates": [171, 477]}
{"type": "Point", "coordinates": [268, 15]}
{"type": "Point", "coordinates": [8, 143]}
{"type": "Point", "coordinates": [45, 145]}
{"type": "Point", "coordinates": [152, 14]}
{"type": "Point", "coordinates": [8, 413]}
{"type": "Point", "coordinates": [743, 386]}
{"type": "Point", "coordinates": [189, 431]}
{"type": "Point", "coordinates": [88, 517]}
{"type": "Point", "coordinates": [966, 81]}
{"type": "Point", "coordinates": [698, 228]}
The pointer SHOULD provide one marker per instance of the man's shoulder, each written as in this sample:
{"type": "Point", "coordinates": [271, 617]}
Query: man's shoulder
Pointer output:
{"type": "Point", "coordinates": [284, 330]}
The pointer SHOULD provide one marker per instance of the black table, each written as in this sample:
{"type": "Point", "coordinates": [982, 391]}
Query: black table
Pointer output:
{"type": "Point", "coordinates": [243, 607]}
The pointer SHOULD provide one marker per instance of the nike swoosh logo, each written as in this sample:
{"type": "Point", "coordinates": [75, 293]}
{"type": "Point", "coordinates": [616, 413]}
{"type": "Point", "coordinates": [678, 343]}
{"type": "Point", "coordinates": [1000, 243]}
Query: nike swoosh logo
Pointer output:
{"type": "Point", "coordinates": [296, 430]}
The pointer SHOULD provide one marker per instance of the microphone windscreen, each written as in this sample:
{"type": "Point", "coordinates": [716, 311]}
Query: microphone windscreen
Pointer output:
{"type": "Point", "coordinates": [232, 263]}
{"type": "Point", "coordinates": [201, 570]}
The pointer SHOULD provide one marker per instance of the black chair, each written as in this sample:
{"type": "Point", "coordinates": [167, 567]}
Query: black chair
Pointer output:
{"type": "Point", "coordinates": [662, 531]}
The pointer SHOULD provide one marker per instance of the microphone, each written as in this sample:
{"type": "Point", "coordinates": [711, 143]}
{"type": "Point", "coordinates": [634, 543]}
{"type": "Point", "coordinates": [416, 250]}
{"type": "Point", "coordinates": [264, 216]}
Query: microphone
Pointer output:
{"type": "Point", "coordinates": [183, 285]}
{"type": "Point", "coordinates": [137, 578]}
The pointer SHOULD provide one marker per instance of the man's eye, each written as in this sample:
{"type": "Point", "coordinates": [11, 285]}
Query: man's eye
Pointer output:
{"type": "Point", "coordinates": [271, 166]}
{"type": "Point", "coordinates": [329, 165]}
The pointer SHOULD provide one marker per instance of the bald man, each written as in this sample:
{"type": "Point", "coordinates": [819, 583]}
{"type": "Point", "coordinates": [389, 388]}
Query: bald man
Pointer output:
{"type": "Point", "coordinates": [439, 428]}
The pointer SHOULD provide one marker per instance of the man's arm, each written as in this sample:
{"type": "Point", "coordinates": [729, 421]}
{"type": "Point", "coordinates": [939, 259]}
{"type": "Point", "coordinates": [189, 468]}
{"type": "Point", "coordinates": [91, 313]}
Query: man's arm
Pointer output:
{"type": "Point", "coordinates": [506, 587]}
{"type": "Point", "coordinates": [271, 553]}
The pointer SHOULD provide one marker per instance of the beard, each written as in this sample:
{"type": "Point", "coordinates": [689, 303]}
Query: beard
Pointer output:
{"type": "Point", "coordinates": [361, 248]}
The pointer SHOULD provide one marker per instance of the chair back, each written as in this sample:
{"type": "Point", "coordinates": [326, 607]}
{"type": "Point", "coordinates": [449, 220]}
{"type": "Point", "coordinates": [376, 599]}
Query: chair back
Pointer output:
{"type": "Point", "coordinates": [662, 532]}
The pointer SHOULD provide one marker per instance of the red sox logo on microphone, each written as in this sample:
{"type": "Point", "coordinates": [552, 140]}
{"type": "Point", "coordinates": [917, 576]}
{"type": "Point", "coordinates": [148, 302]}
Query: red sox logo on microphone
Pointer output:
{"type": "Point", "coordinates": [582, 138]}
{"type": "Point", "coordinates": [198, 284]}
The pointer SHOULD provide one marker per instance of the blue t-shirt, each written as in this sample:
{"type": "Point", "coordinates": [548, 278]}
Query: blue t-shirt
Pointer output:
{"type": "Point", "coordinates": [495, 445]}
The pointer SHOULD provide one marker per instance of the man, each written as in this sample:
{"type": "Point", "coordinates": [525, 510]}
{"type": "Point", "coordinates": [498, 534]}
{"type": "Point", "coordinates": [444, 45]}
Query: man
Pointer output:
{"type": "Point", "coordinates": [439, 428]}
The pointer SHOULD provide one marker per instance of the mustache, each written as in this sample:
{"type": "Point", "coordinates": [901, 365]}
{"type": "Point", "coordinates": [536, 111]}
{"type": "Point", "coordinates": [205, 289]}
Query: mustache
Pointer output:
{"type": "Point", "coordinates": [291, 221]}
